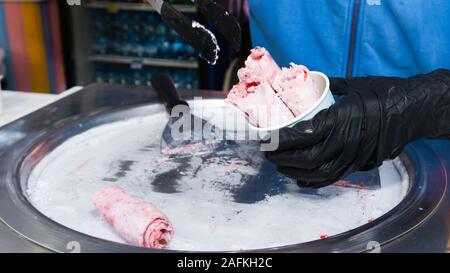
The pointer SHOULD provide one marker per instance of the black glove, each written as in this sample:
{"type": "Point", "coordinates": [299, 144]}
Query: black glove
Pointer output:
{"type": "Point", "coordinates": [375, 119]}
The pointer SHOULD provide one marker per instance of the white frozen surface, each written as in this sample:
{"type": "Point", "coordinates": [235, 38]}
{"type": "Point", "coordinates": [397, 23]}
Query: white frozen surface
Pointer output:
{"type": "Point", "coordinates": [202, 206]}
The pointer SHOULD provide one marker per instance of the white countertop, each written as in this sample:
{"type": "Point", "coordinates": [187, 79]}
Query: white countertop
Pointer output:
{"type": "Point", "coordinates": [17, 104]}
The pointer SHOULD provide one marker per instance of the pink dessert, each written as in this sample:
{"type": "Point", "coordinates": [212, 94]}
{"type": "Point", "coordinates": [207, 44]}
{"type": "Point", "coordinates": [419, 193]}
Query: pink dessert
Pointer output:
{"type": "Point", "coordinates": [296, 88]}
{"type": "Point", "coordinates": [254, 95]}
{"type": "Point", "coordinates": [270, 96]}
{"type": "Point", "coordinates": [136, 221]}
{"type": "Point", "coordinates": [259, 66]}
{"type": "Point", "coordinates": [260, 103]}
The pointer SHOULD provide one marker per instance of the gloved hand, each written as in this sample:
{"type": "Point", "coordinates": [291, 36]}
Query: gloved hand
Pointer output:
{"type": "Point", "coordinates": [375, 119]}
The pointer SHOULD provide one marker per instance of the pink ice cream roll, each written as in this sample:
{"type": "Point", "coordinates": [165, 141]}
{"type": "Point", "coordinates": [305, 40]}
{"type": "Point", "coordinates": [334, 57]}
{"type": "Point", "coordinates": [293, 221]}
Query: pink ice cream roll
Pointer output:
{"type": "Point", "coordinates": [259, 66]}
{"type": "Point", "coordinates": [136, 221]}
{"type": "Point", "coordinates": [260, 104]}
{"type": "Point", "coordinates": [254, 95]}
{"type": "Point", "coordinates": [296, 88]}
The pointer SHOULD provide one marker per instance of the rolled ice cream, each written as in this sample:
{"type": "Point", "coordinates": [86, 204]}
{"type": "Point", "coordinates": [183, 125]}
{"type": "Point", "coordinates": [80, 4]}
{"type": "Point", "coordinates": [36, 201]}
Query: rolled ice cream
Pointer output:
{"type": "Point", "coordinates": [271, 96]}
{"type": "Point", "coordinates": [296, 88]}
{"type": "Point", "coordinates": [260, 103]}
{"type": "Point", "coordinates": [254, 95]}
{"type": "Point", "coordinates": [136, 221]}
{"type": "Point", "coordinates": [259, 66]}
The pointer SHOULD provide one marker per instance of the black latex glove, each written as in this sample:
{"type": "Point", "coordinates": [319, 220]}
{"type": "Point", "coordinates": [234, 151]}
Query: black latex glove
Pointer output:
{"type": "Point", "coordinates": [374, 120]}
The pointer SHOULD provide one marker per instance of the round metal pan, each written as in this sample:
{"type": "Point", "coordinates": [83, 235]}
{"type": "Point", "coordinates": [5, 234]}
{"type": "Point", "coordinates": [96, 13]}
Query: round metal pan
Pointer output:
{"type": "Point", "coordinates": [35, 135]}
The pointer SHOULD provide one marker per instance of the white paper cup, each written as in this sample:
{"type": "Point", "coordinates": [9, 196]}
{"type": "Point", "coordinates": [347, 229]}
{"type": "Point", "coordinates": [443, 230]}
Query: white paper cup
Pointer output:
{"type": "Point", "coordinates": [325, 101]}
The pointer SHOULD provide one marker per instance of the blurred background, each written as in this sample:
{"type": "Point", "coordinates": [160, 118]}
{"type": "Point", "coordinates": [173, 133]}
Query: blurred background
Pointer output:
{"type": "Point", "coordinates": [48, 46]}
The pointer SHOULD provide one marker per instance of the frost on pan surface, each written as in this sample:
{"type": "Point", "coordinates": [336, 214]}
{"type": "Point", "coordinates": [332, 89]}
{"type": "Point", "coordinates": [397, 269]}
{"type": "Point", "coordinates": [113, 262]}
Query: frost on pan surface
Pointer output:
{"type": "Point", "coordinates": [230, 201]}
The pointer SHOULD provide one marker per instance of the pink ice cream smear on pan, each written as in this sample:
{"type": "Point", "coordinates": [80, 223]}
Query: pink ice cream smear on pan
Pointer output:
{"type": "Point", "coordinates": [136, 221]}
{"type": "Point", "coordinates": [269, 95]}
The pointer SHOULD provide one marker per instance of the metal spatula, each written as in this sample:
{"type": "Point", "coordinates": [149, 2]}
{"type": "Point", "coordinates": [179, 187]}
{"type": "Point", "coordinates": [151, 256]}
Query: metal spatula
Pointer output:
{"type": "Point", "coordinates": [179, 141]}
{"type": "Point", "coordinates": [195, 34]}
{"type": "Point", "coordinates": [225, 23]}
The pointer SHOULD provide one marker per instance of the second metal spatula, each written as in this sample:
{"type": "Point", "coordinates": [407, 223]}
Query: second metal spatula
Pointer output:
{"type": "Point", "coordinates": [185, 134]}
{"type": "Point", "coordinates": [225, 23]}
{"type": "Point", "coordinates": [201, 39]}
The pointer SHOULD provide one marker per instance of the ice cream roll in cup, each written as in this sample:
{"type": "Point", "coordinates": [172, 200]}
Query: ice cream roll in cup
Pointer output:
{"type": "Point", "coordinates": [324, 100]}
{"type": "Point", "coordinates": [304, 101]}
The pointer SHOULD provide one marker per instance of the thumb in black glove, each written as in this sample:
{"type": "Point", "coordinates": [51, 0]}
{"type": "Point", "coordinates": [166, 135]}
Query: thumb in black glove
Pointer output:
{"type": "Point", "coordinates": [375, 119]}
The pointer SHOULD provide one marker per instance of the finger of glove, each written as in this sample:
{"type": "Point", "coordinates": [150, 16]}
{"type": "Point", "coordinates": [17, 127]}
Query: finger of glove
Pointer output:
{"type": "Point", "coordinates": [329, 159]}
{"type": "Point", "coordinates": [314, 185]}
{"type": "Point", "coordinates": [305, 133]}
{"type": "Point", "coordinates": [307, 158]}
{"type": "Point", "coordinates": [331, 171]}
{"type": "Point", "coordinates": [299, 174]}
{"type": "Point", "coordinates": [317, 175]}
{"type": "Point", "coordinates": [342, 86]}
{"type": "Point", "coordinates": [339, 86]}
